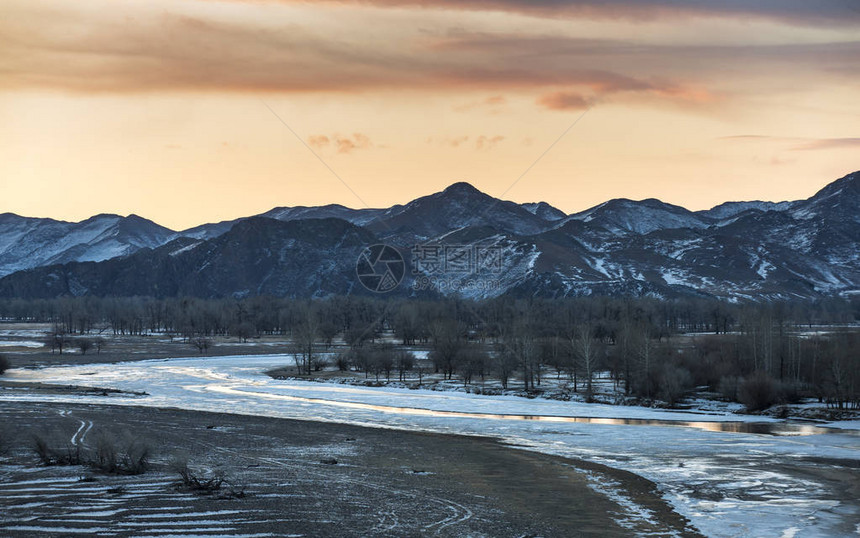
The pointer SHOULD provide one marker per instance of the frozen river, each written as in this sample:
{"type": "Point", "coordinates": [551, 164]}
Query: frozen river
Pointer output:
{"type": "Point", "coordinates": [729, 478]}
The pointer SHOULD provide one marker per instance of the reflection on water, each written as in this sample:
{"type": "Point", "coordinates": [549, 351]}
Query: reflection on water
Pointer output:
{"type": "Point", "coordinates": [167, 380]}
{"type": "Point", "coordinates": [763, 428]}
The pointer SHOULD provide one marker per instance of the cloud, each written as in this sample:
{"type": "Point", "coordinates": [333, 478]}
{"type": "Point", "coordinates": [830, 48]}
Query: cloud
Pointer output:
{"type": "Point", "coordinates": [158, 50]}
{"type": "Point", "coordinates": [493, 104]}
{"type": "Point", "coordinates": [319, 141]}
{"type": "Point", "coordinates": [481, 142]}
{"type": "Point", "coordinates": [797, 12]}
{"type": "Point", "coordinates": [563, 101]}
{"type": "Point", "coordinates": [746, 137]}
{"type": "Point", "coordinates": [488, 142]}
{"type": "Point", "coordinates": [829, 143]}
{"type": "Point", "coordinates": [348, 145]}
{"type": "Point", "coordinates": [342, 144]}
{"type": "Point", "coordinates": [175, 52]}
{"type": "Point", "coordinates": [456, 142]}
{"type": "Point", "coordinates": [799, 143]}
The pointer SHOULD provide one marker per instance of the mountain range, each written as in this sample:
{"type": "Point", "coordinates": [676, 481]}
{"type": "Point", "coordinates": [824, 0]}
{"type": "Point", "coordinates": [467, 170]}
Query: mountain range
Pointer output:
{"type": "Point", "coordinates": [737, 250]}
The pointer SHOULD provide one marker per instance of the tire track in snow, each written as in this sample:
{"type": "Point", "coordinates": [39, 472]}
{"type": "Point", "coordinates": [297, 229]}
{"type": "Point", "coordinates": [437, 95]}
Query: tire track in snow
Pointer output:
{"type": "Point", "coordinates": [461, 514]}
{"type": "Point", "coordinates": [454, 519]}
{"type": "Point", "coordinates": [83, 437]}
{"type": "Point", "coordinates": [83, 430]}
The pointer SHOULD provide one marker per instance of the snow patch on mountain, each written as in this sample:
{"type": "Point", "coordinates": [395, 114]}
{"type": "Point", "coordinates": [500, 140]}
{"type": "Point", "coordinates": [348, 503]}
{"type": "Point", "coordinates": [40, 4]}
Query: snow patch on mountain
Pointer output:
{"type": "Point", "coordinates": [544, 211]}
{"type": "Point", "coordinates": [622, 216]}
{"type": "Point", "coordinates": [29, 242]}
{"type": "Point", "coordinates": [730, 209]}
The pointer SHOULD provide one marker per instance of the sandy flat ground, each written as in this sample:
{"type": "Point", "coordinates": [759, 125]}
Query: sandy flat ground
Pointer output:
{"type": "Point", "coordinates": [796, 482]}
{"type": "Point", "coordinates": [386, 482]}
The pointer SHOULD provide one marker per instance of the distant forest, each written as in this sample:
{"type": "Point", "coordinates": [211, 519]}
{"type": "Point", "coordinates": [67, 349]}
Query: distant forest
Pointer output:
{"type": "Point", "coordinates": [757, 353]}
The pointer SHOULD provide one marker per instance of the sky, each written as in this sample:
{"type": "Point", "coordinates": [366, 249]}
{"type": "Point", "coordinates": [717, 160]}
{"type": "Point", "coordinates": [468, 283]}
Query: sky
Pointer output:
{"type": "Point", "coordinates": [193, 111]}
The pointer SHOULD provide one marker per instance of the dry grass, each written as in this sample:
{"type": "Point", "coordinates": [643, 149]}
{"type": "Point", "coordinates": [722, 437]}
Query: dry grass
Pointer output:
{"type": "Point", "coordinates": [112, 455]}
{"type": "Point", "coordinates": [200, 484]}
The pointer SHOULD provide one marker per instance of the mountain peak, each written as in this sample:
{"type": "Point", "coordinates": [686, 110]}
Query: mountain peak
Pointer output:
{"type": "Point", "coordinates": [462, 188]}
{"type": "Point", "coordinates": [544, 211]}
{"type": "Point", "coordinates": [847, 183]}
{"type": "Point", "coordinates": [102, 216]}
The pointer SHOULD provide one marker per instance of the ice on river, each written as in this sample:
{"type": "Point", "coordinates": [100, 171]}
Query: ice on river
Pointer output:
{"type": "Point", "coordinates": [727, 483]}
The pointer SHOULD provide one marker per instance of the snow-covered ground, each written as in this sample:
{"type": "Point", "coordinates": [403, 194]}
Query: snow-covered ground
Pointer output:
{"type": "Point", "coordinates": [727, 482]}
{"type": "Point", "coordinates": [21, 343]}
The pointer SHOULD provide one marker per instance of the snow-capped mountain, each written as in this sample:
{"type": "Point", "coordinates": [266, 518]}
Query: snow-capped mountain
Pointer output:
{"type": "Point", "coordinates": [32, 242]}
{"type": "Point", "coordinates": [622, 216]}
{"type": "Point", "coordinates": [302, 258]}
{"type": "Point", "coordinates": [359, 217]}
{"type": "Point", "coordinates": [757, 250]}
{"type": "Point", "coordinates": [285, 214]}
{"type": "Point", "coordinates": [458, 206]}
{"type": "Point", "coordinates": [730, 209]}
{"type": "Point", "coordinates": [544, 211]}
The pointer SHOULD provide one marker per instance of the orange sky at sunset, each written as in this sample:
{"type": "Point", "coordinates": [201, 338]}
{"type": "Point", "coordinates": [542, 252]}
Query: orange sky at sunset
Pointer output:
{"type": "Point", "coordinates": [162, 108]}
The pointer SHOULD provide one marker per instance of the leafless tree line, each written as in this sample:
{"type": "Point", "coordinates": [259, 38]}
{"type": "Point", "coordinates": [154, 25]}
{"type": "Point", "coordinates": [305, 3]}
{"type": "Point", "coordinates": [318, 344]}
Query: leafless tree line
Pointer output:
{"type": "Point", "coordinates": [756, 352]}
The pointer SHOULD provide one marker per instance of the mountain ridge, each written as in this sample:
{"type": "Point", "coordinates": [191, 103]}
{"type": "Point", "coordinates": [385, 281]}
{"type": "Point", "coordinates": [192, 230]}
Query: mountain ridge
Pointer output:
{"type": "Point", "coordinates": [746, 250]}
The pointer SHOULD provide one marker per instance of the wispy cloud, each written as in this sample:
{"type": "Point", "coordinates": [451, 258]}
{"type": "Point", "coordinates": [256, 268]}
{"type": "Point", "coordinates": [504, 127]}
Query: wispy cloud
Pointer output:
{"type": "Point", "coordinates": [488, 142]}
{"type": "Point", "coordinates": [564, 101]}
{"type": "Point", "coordinates": [144, 49]}
{"type": "Point", "coordinates": [319, 141]}
{"type": "Point", "coordinates": [829, 143]}
{"type": "Point", "coordinates": [798, 12]}
{"type": "Point", "coordinates": [795, 143]}
{"type": "Point", "coordinates": [341, 144]}
{"type": "Point", "coordinates": [493, 104]}
{"type": "Point", "coordinates": [479, 143]}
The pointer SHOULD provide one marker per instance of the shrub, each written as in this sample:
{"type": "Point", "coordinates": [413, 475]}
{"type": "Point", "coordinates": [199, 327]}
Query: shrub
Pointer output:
{"type": "Point", "coordinates": [343, 362]}
{"type": "Point", "coordinates": [202, 344]}
{"type": "Point", "coordinates": [49, 456]}
{"type": "Point", "coordinates": [791, 393]}
{"type": "Point", "coordinates": [127, 456]}
{"type": "Point", "coordinates": [318, 363]}
{"type": "Point", "coordinates": [191, 481]}
{"type": "Point", "coordinates": [198, 484]}
{"type": "Point", "coordinates": [42, 451]}
{"type": "Point", "coordinates": [728, 388]}
{"type": "Point", "coordinates": [758, 392]}
{"type": "Point", "coordinates": [674, 383]}
{"type": "Point", "coordinates": [5, 442]}
{"type": "Point", "coordinates": [84, 345]}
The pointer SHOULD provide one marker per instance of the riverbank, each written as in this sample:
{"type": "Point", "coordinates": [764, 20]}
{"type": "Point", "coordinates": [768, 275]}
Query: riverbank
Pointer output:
{"type": "Point", "coordinates": [384, 482]}
{"type": "Point", "coordinates": [724, 476]}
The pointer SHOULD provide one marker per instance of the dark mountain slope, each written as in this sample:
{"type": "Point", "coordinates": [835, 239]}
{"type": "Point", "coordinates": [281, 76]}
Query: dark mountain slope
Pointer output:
{"type": "Point", "coordinates": [308, 258]}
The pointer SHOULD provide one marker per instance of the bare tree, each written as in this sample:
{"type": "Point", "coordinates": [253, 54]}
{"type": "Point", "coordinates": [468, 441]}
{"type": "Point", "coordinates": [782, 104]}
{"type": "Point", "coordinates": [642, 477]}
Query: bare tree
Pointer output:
{"type": "Point", "coordinates": [243, 330]}
{"type": "Point", "coordinates": [202, 344]}
{"type": "Point", "coordinates": [447, 346]}
{"type": "Point", "coordinates": [473, 362]}
{"type": "Point", "coordinates": [84, 345]}
{"type": "Point", "coordinates": [305, 336]}
{"type": "Point", "coordinates": [505, 363]}
{"type": "Point", "coordinates": [58, 339]}
{"type": "Point", "coordinates": [586, 350]}
{"type": "Point", "coordinates": [405, 361]}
